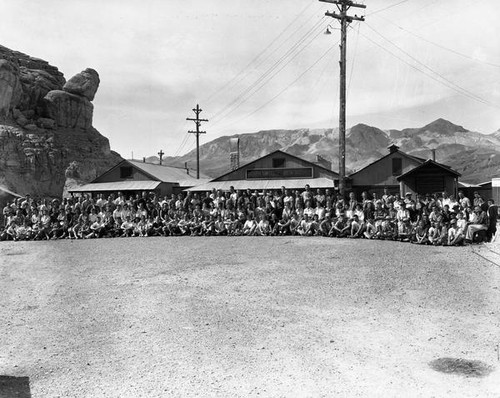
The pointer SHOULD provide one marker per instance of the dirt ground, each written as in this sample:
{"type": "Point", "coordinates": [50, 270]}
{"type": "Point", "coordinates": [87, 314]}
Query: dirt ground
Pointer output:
{"type": "Point", "coordinates": [246, 317]}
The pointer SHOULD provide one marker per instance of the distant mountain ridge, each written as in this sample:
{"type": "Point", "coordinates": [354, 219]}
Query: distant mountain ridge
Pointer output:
{"type": "Point", "coordinates": [476, 156]}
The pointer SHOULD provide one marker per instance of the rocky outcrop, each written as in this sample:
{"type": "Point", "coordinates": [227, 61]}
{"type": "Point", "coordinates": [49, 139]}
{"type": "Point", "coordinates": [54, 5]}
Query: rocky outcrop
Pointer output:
{"type": "Point", "coordinates": [9, 86]}
{"type": "Point", "coordinates": [84, 84]}
{"type": "Point", "coordinates": [68, 110]}
{"type": "Point", "coordinates": [46, 127]}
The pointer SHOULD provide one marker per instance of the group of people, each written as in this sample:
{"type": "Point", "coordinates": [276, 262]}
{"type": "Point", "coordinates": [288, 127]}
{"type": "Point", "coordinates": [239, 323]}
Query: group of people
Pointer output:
{"type": "Point", "coordinates": [438, 219]}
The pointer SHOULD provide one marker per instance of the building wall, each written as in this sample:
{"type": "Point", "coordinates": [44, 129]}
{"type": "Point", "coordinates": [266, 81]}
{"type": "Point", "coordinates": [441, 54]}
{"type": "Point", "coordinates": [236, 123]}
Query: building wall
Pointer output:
{"type": "Point", "coordinates": [379, 174]}
{"type": "Point", "coordinates": [267, 163]}
{"type": "Point", "coordinates": [427, 182]}
{"type": "Point", "coordinates": [495, 186]}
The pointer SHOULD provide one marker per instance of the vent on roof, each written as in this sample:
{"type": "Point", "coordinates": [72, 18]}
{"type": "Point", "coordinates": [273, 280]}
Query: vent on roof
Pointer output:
{"type": "Point", "coordinates": [393, 148]}
{"type": "Point", "coordinates": [234, 154]}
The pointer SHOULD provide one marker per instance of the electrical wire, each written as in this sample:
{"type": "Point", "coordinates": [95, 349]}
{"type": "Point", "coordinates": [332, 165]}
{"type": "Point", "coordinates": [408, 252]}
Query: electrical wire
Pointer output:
{"type": "Point", "coordinates": [264, 75]}
{"type": "Point", "coordinates": [353, 60]}
{"type": "Point", "coordinates": [283, 90]}
{"type": "Point", "coordinates": [463, 90]}
{"type": "Point", "coordinates": [269, 75]}
{"type": "Point", "coordinates": [386, 8]}
{"type": "Point", "coordinates": [246, 70]}
{"type": "Point", "coordinates": [439, 45]}
{"type": "Point", "coordinates": [442, 81]}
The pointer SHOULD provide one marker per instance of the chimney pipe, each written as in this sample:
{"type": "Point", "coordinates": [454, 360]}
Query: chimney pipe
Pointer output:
{"type": "Point", "coordinates": [144, 160]}
{"type": "Point", "coordinates": [234, 153]}
{"type": "Point", "coordinates": [186, 167]}
{"type": "Point", "coordinates": [433, 154]}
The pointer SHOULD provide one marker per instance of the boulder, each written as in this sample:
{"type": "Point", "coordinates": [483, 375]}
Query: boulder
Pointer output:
{"type": "Point", "coordinates": [46, 123]}
{"type": "Point", "coordinates": [68, 110]}
{"type": "Point", "coordinates": [84, 84]}
{"type": "Point", "coordinates": [31, 127]}
{"type": "Point", "coordinates": [35, 86]}
{"type": "Point", "coordinates": [21, 120]}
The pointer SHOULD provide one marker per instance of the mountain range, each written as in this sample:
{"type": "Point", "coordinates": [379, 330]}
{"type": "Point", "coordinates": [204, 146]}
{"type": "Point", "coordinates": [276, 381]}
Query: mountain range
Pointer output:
{"type": "Point", "coordinates": [475, 155]}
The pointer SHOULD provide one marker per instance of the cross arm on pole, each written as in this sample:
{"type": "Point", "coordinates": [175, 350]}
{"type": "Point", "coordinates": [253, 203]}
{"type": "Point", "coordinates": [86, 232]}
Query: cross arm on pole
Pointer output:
{"type": "Point", "coordinates": [348, 18]}
{"type": "Point", "coordinates": [346, 2]}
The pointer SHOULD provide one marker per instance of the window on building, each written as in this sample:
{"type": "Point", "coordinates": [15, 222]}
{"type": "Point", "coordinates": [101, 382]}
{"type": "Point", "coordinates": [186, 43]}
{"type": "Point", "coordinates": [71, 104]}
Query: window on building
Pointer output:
{"type": "Point", "coordinates": [397, 166]}
{"type": "Point", "coordinates": [125, 172]}
{"type": "Point", "coordinates": [278, 162]}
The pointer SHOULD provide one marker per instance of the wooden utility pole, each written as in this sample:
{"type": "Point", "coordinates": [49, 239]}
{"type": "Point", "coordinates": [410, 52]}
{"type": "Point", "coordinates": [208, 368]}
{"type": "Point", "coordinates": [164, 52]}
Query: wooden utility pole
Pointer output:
{"type": "Point", "coordinates": [198, 121]}
{"type": "Point", "coordinates": [160, 154]}
{"type": "Point", "coordinates": [343, 6]}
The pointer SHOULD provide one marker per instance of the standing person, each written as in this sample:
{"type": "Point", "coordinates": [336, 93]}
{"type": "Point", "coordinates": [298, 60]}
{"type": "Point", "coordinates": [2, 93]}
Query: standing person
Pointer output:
{"type": "Point", "coordinates": [307, 194]}
{"type": "Point", "coordinates": [463, 200]}
{"type": "Point", "coordinates": [492, 219]}
{"type": "Point", "coordinates": [320, 198]}
{"type": "Point", "coordinates": [478, 200]}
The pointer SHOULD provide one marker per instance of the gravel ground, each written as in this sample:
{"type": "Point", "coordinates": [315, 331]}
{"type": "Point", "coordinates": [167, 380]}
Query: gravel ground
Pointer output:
{"type": "Point", "coordinates": [246, 317]}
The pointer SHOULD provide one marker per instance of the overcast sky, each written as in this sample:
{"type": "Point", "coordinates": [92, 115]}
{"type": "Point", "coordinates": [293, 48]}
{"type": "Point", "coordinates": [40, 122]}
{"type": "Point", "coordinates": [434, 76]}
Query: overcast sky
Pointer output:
{"type": "Point", "coordinates": [265, 64]}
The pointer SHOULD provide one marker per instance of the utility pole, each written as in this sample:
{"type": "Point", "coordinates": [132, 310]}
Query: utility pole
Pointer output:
{"type": "Point", "coordinates": [343, 6]}
{"type": "Point", "coordinates": [160, 154]}
{"type": "Point", "coordinates": [198, 121]}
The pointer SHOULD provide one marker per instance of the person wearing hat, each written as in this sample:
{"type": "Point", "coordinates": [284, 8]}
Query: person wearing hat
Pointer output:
{"type": "Point", "coordinates": [408, 198]}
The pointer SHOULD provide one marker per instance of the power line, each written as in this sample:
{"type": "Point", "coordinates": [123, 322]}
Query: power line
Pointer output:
{"type": "Point", "coordinates": [463, 90]}
{"type": "Point", "coordinates": [268, 75]}
{"type": "Point", "coordinates": [353, 60]}
{"type": "Point", "coordinates": [283, 90]}
{"type": "Point", "coordinates": [254, 60]}
{"type": "Point", "coordinates": [386, 8]}
{"type": "Point", "coordinates": [440, 45]}
{"type": "Point", "coordinates": [270, 70]}
{"type": "Point", "coordinates": [183, 143]}
{"type": "Point", "coordinates": [445, 83]}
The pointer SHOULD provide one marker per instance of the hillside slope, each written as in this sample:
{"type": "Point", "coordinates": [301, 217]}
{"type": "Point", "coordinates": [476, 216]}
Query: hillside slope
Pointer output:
{"type": "Point", "coordinates": [476, 156]}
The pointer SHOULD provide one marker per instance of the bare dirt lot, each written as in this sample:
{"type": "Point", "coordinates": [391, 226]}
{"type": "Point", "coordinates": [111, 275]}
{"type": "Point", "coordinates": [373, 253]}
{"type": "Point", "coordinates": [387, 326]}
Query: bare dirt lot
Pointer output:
{"type": "Point", "coordinates": [247, 317]}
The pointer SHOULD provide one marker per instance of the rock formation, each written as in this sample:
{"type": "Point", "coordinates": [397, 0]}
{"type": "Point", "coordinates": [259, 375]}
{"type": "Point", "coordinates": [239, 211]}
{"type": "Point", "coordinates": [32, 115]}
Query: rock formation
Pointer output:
{"type": "Point", "coordinates": [46, 127]}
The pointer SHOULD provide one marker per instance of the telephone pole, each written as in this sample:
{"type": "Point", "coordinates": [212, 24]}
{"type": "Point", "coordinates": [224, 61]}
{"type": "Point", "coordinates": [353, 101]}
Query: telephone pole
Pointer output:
{"type": "Point", "coordinates": [160, 154]}
{"type": "Point", "coordinates": [343, 6]}
{"type": "Point", "coordinates": [198, 121]}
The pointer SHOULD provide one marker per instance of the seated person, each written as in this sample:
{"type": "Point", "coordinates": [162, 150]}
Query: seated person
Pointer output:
{"type": "Point", "coordinates": [127, 227]}
{"type": "Point", "coordinates": [421, 232]}
{"type": "Point", "coordinates": [341, 228]}
{"type": "Point", "coordinates": [370, 229]}
{"type": "Point", "coordinates": [357, 227]}
{"type": "Point", "coordinates": [250, 226]}
{"type": "Point", "coordinates": [477, 222]}
{"type": "Point", "coordinates": [263, 227]}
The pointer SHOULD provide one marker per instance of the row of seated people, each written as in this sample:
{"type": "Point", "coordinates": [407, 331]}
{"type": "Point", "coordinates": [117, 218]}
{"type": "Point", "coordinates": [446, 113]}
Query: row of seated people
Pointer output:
{"type": "Point", "coordinates": [424, 220]}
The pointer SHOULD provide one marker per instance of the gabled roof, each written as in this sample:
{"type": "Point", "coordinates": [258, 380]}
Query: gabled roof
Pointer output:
{"type": "Point", "coordinates": [162, 173]}
{"type": "Point", "coordinates": [274, 153]}
{"type": "Point", "coordinates": [117, 186]}
{"type": "Point", "coordinates": [411, 157]}
{"type": "Point", "coordinates": [314, 183]}
{"type": "Point", "coordinates": [166, 173]}
{"type": "Point", "coordinates": [426, 164]}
